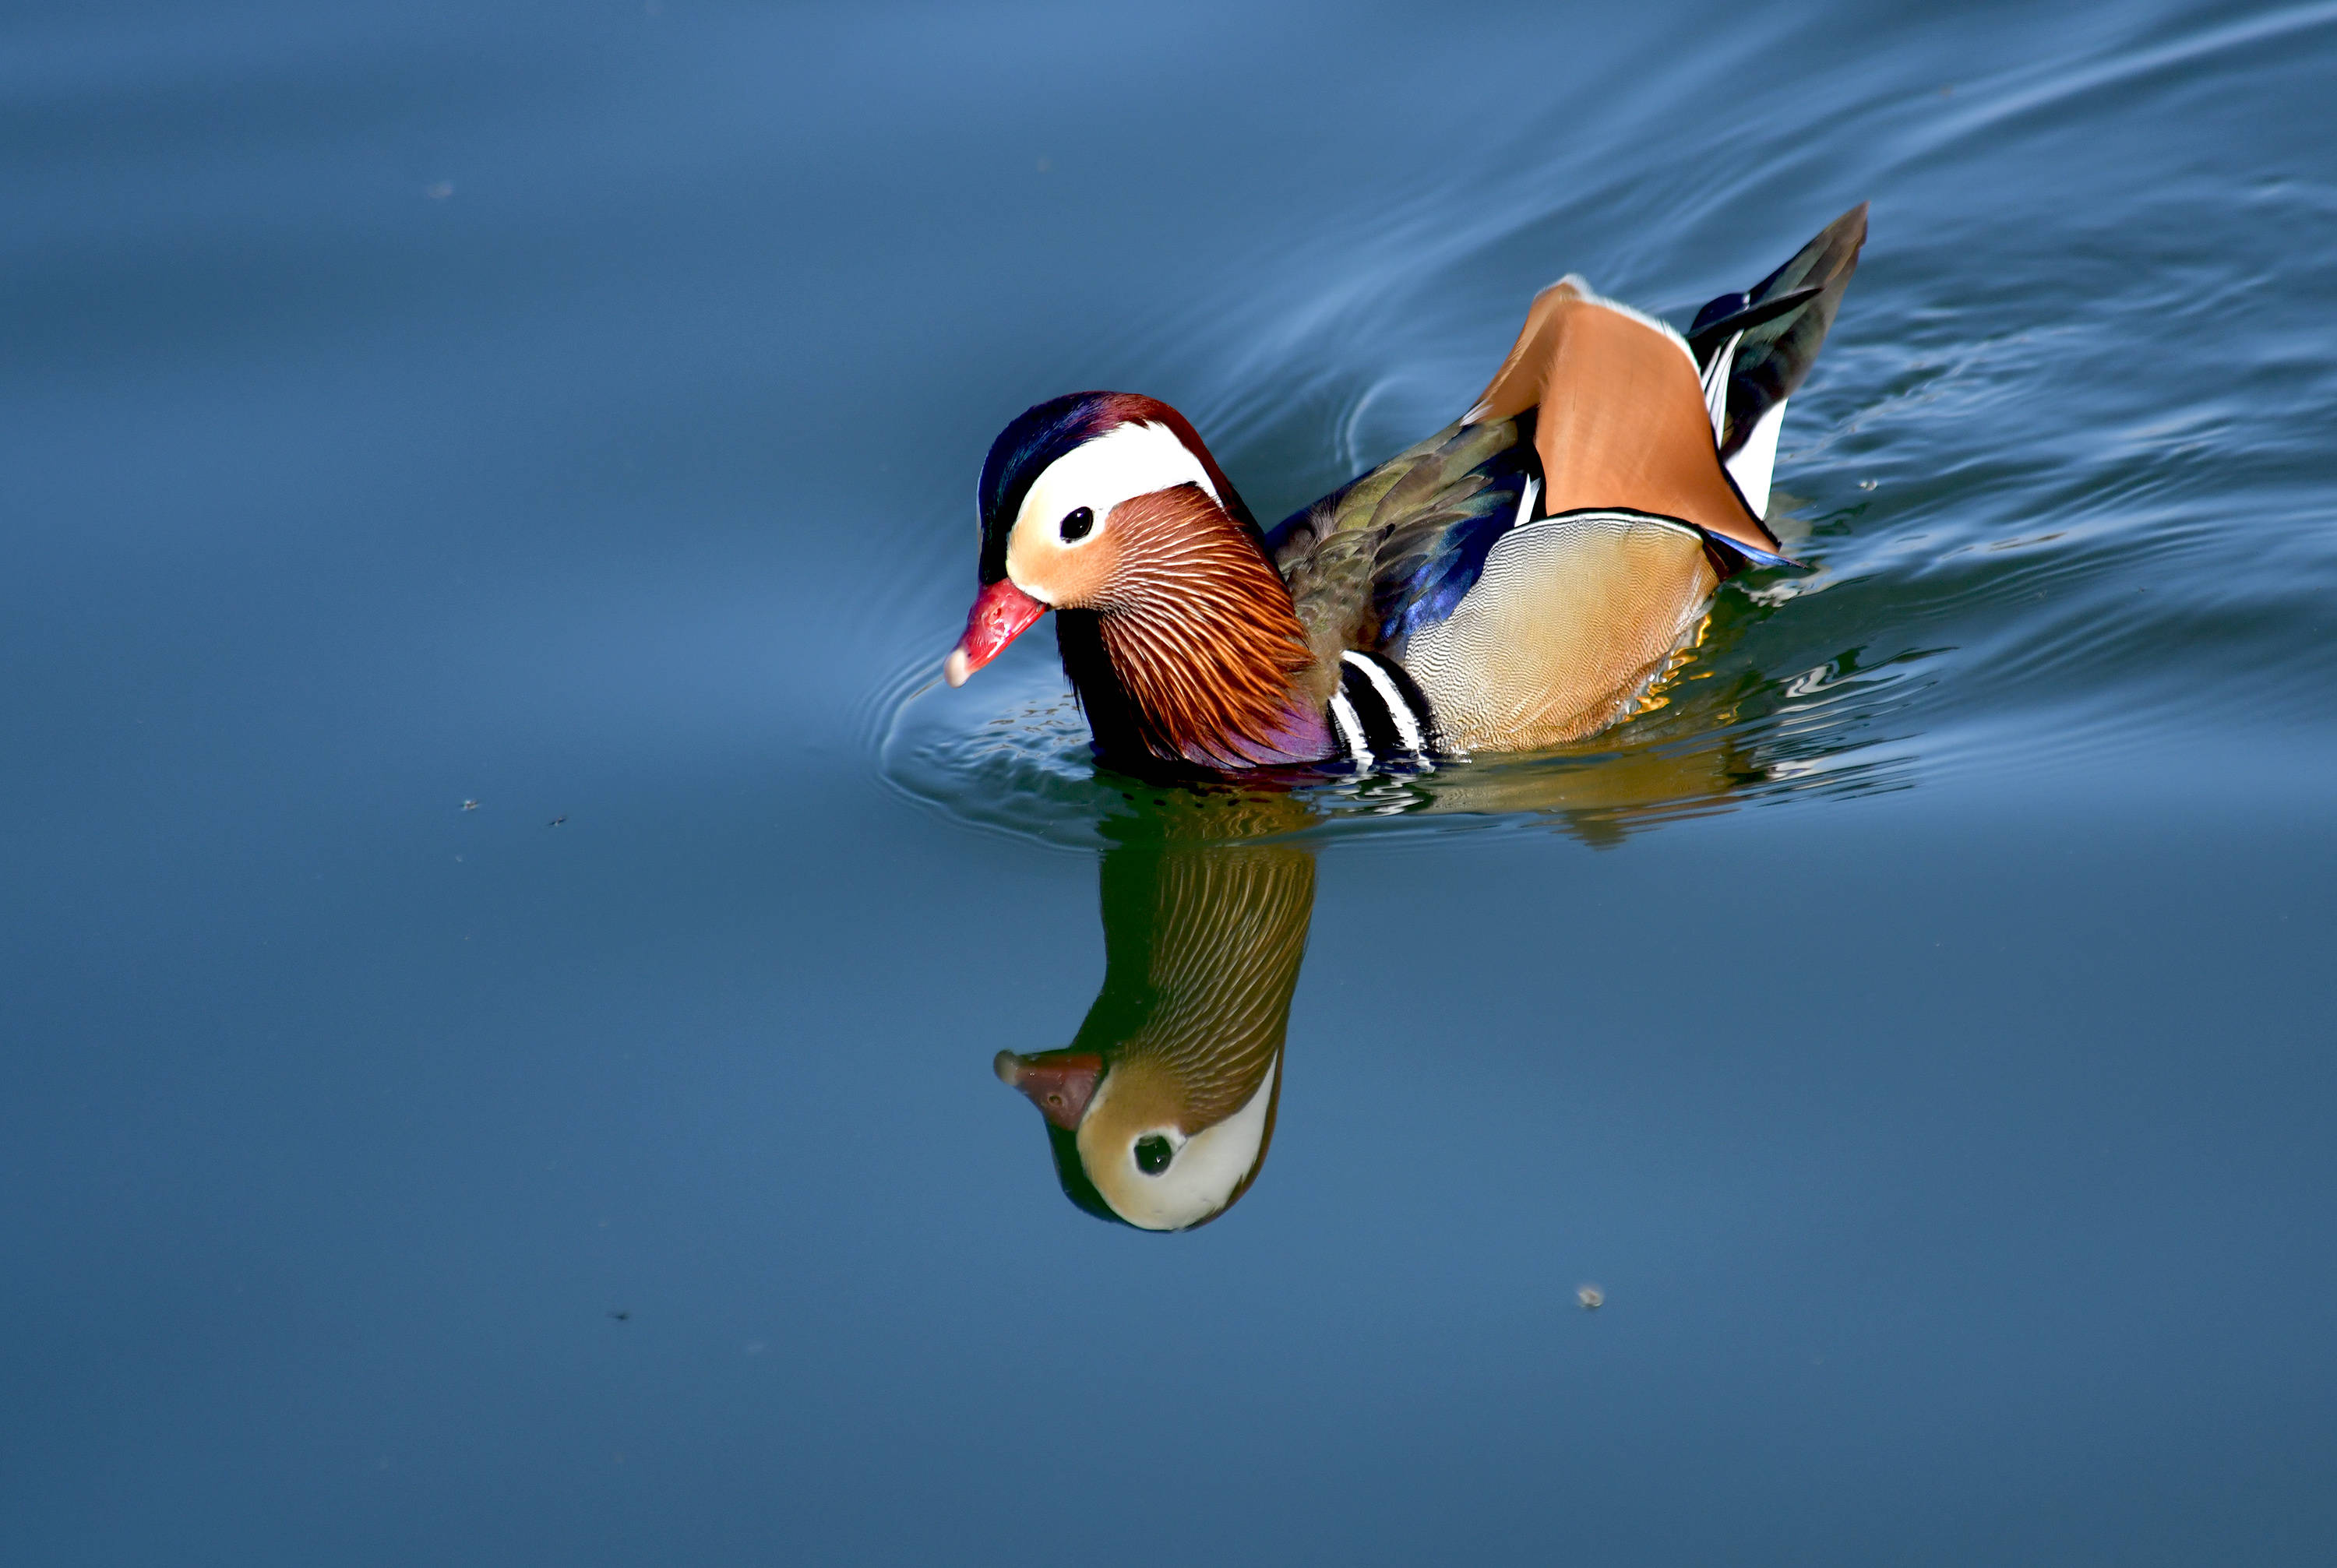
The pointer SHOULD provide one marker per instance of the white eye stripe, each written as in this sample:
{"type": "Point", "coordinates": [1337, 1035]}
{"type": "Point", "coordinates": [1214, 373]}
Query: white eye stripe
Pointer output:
{"type": "Point", "coordinates": [1118, 466]}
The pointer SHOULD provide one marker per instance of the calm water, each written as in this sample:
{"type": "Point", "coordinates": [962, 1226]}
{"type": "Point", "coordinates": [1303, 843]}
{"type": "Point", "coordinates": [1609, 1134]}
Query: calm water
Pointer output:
{"type": "Point", "coordinates": [1918, 1026]}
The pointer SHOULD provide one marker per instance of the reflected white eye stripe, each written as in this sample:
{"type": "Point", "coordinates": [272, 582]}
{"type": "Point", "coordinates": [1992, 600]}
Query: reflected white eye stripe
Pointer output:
{"type": "Point", "coordinates": [1200, 1182]}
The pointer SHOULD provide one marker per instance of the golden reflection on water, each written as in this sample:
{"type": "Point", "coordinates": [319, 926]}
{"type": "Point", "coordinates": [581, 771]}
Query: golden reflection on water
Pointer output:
{"type": "Point", "coordinates": [1160, 1112]}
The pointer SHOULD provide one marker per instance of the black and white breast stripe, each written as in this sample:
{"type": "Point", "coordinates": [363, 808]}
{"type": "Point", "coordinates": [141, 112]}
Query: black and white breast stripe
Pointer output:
{"type": "Point", "coordinates": [1380, 714]}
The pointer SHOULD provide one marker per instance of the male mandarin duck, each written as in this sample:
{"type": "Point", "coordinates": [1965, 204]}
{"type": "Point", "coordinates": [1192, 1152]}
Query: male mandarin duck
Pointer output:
{"type": "Point", "coordinates": [1514, 581]}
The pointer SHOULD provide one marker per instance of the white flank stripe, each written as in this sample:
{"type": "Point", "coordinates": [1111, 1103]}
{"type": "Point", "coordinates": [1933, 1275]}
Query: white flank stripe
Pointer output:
{"type": "Point", "coordinates": [1351, 729]}
{"type": "Point", "coordinates": [1407, 728]}
{"type": "Point", "coordinates": [1525, 503]}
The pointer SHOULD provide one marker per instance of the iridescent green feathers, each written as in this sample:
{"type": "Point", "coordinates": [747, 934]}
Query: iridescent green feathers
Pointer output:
{"type": "Point", "coordinates": [1398, 548]}
{"type": "Point", "coordinates": [1773, 356]}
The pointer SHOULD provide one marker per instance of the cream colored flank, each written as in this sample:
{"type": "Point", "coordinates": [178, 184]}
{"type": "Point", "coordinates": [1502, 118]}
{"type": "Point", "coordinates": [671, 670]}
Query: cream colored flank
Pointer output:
{"type": "Point", "coordinates": [1570, 620]}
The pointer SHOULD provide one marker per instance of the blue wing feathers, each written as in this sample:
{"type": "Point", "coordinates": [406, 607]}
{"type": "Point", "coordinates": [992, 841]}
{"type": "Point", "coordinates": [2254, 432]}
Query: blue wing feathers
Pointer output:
{"type": "Point", "coordinates": [1428, 582]}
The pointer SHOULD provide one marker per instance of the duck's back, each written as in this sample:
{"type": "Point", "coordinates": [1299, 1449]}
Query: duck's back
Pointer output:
{"type": "Point", "coordinates": [1533, 565]}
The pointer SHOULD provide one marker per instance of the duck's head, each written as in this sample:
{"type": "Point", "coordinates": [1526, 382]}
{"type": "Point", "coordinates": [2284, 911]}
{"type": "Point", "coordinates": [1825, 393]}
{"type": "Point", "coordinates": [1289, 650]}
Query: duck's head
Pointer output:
{"type": "Point", "coordinates": [1130, 1142]}
{"type": "Point", "coordinates": [1082, 498]}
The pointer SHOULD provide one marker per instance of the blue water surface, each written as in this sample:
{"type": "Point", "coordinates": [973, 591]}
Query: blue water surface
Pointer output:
{"type": "Point", "coordinates": [505, 943]}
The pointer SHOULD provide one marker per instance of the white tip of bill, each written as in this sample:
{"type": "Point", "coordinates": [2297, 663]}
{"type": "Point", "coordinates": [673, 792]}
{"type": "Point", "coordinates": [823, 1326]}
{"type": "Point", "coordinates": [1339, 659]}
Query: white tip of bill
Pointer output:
{"type": "Point", "coordinates": [954, 669]}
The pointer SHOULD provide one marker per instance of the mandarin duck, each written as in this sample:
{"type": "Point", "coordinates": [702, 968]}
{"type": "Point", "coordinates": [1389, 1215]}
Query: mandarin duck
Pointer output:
{"type": "Point", "coordinates": [1516, 581]}
{"type": "Point", "coordinates": [1161, 1111]}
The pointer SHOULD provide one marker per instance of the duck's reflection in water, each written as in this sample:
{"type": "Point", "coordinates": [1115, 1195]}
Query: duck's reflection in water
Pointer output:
{"type": "Point", "coordinates": [1160, 1112]}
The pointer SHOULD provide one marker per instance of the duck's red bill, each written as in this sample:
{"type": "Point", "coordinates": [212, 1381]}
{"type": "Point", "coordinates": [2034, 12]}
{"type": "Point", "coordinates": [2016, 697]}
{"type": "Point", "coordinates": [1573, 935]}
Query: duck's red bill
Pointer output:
{"type": "Point", "coordinates": [1001, 613]}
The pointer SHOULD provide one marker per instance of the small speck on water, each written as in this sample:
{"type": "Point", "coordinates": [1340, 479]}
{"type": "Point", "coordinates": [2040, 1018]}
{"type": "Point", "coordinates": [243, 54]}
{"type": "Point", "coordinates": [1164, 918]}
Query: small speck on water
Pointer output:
{"type": "Point", "coordinates": [1592, 1297]}
{"type": "Point", "coordinates": [1866, 483]}
{"type": "Point", "coordinates": [556, 821]}
{"type": "Point", "coordinates": [438, 191]}
{"type": "Point", "coordinates": [470, 805]}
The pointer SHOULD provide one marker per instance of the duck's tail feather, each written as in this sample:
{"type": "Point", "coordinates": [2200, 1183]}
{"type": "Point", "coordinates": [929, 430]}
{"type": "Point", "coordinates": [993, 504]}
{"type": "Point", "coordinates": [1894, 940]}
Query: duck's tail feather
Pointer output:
{"type": "Point", "coordinates": [1753, 348]}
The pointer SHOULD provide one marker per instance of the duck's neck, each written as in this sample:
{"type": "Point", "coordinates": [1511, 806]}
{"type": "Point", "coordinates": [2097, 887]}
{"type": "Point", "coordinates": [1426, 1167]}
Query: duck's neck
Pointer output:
{"type": "Point", "coordinates": [1196, 656]}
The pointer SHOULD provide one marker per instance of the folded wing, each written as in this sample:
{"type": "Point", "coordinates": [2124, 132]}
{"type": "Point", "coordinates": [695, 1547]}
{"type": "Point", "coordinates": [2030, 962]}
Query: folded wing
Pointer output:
{"type": "Point", "coordinates": [1534, 563]}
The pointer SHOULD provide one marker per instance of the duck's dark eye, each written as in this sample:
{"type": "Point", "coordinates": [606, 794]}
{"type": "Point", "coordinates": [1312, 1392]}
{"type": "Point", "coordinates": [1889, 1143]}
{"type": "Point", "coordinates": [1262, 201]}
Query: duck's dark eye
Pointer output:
{"type": "Point", "coordinates": [1153, 1154]}
{"type": "Point", "coordinates": [1077, 524]}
